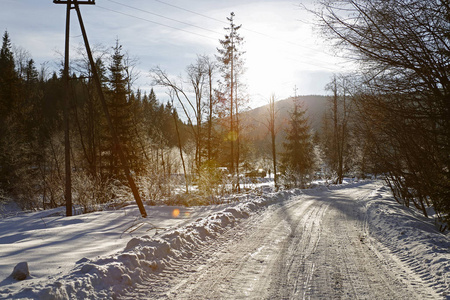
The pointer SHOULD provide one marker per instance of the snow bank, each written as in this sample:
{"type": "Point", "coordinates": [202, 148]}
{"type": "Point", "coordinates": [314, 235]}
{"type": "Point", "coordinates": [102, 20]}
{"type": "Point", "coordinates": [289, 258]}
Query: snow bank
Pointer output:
{"type": "Point", "coordinates": [128, 254]}
{"type": "Point", "coordinates": [111, 276]}
{"type": "Point", "coordinates": [411, 237]}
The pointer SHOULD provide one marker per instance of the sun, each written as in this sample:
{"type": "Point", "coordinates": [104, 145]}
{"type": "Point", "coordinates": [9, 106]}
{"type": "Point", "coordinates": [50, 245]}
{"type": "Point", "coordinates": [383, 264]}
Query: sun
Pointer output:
{"type": "Point", "coordinates": [267, 72]}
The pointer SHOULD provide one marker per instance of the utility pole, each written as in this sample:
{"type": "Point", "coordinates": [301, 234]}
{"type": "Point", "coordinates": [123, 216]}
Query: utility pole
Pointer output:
{"type": "Point", "coordinates": [68, 171]}
{"type": "Point", "coordinates": [75, 4]}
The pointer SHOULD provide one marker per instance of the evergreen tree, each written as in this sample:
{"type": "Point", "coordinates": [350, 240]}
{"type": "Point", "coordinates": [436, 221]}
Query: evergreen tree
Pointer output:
{"type": "Point", "coordinates": [231, 64]}
{"type": "Point", "coordinates": [298, 158]}
{"type": "Point", "coordinates": [88, 118]}
{"type": "Point", "coordinates": [121, 116]}
{"type": "Point", "coordinates": [8, 76]}
{"type": "Point", "coordinates": [8, 87]}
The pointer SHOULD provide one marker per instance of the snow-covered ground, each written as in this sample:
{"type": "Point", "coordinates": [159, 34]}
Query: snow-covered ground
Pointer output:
{"type": "Point", "coordinates": [410, 237]}
{"type": "Point", "coordinates": [108, 254]}
{"type": "Point", "coordinates": [53, 245]}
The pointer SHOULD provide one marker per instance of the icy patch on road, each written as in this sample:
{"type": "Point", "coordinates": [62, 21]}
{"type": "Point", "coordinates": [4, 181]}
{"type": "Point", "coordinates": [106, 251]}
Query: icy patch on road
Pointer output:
{"type": "Point", "coordinates": [112, 276]}
{"type": "Point", "coordinates": [411, 237]}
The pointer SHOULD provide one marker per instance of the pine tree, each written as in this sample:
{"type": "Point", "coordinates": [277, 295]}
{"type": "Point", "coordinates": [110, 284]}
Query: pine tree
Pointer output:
{"type": "Point", "coordinates": [7, 76]}
{"type": "Point", "coordinates": [231, 64]}
{"type": "Point", "coordinates": [150, 105]}
{"type": "Point", "coordinates": [8, 94]}
{"type": "Point", "coordinates": [120, 112]}
{"type": "Point", "coordinates": [31, 96]}
{"type": "Point", "coordinates": [298, 157]}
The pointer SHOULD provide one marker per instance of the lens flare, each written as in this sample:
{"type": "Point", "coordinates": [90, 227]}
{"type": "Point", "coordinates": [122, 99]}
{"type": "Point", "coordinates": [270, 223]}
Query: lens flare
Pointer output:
{"type": "Point", "coordinates": [231, 136]}
{"type": "Point", "coordinates": [175, 213]}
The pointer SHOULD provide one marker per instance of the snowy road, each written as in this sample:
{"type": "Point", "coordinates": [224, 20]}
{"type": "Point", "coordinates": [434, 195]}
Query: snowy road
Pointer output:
{"type": "Point", "coordinates": [310, 246]}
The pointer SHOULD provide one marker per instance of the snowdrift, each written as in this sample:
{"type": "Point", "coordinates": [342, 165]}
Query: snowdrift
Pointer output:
{"type": "Point", "coordinates": [411, 238]}
{"type": "Point", "coordinates": [111, 276]}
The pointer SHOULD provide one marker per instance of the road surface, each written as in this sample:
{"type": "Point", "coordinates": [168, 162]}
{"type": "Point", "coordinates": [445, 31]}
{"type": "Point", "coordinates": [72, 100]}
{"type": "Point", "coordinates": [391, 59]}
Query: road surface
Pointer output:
{"type": "Point", "coordinates": [312, 246]}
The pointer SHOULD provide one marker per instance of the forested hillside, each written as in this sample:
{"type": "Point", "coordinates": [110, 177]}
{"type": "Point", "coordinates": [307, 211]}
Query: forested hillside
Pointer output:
{"type": "Point", "coordinates": [31, 138]}
{"type": "Point", "coordinates": [256, 120]}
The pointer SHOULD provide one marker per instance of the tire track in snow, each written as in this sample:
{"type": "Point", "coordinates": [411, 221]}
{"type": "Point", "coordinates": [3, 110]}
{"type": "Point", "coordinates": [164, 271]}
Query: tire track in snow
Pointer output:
{"type": "Point", "coordinates": [295, 271]}
{"type": "Point", "coordinates": [370, 273]}
{"type": "Point", "coordinates": [241, 269]}
{"type": "Point", "coordinates": [307, 247]}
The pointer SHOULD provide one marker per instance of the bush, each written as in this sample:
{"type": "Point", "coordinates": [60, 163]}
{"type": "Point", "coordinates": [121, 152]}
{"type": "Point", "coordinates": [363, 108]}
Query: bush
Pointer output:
{"type": "Point", "coordinates": [210, 179]}
{"type": "Point", "coordinates": [90, 192]}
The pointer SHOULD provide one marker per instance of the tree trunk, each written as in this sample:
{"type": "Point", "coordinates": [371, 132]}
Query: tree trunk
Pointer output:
{"type": "Point", "coordinates": [181, 151]}
{"type": "Point", "coordinates": [273, 136]}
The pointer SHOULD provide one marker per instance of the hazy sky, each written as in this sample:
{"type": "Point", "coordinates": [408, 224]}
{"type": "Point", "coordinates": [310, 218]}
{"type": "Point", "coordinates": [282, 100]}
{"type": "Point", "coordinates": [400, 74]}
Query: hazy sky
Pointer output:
{"type": "Point", "coordinates": [282, 48]}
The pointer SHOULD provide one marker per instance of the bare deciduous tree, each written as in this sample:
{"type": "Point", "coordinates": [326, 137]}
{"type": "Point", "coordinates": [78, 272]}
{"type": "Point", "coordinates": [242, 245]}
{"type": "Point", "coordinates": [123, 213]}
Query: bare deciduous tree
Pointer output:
{"type": "Point", "coordinates": [403, 48]}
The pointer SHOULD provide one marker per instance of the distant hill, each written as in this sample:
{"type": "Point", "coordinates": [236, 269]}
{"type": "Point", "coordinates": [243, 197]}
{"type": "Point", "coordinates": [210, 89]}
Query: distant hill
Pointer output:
{"type": "Point", "coordinates": [255, 121]}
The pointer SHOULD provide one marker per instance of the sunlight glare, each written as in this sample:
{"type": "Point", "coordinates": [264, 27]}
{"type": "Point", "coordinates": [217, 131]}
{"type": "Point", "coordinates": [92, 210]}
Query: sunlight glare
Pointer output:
{"type": "Point", "coordinates": [175, 213]}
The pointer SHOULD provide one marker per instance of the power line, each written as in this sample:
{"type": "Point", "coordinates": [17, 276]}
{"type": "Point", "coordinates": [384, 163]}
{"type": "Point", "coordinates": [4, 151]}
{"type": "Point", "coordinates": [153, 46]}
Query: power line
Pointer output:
{"type": "Point", "coordinates": [243, 28]}
{"type": "Point", "coordinates": [153, 22]}
{"type": "Point", "coordinates": [254, 31]}
{"type": "Point", "coordinates": [214, 19]}
{"type": "Point", "coordinates": [203, 28]}
{"type": "Point", "coordinates": [164, 17]}
{"type": "Point", "coordinates": [192, 12]}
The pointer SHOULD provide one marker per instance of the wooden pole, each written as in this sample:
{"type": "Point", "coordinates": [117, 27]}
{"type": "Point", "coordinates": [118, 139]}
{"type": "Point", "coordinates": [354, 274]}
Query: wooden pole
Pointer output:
{"type": "Point", "coordinates": [115, 137]}
{"type": "Point", "coordinates": [68, 188]}
{"type": "Point", "coordinates": [68, 171]}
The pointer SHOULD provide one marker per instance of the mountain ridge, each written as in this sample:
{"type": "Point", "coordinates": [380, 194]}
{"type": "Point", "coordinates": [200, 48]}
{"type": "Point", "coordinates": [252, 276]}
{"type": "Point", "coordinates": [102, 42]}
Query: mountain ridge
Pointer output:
{"type": "Point", "coordinates": [255, 121]}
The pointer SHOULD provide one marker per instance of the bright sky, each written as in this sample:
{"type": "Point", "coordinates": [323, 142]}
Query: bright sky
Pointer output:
{"type": "Point", "coordinates": [282, 48]}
